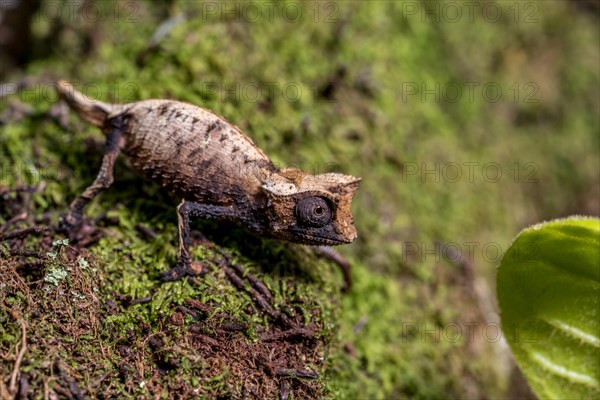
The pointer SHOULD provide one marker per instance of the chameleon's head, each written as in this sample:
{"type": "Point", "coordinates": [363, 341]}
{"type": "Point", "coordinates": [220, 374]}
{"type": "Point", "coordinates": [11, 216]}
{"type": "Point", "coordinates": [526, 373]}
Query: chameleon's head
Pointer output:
{"type": "Point", "coordinates": [311, 209]}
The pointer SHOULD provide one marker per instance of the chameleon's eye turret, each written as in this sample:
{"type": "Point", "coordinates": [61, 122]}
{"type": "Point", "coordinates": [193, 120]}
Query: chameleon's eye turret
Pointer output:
{"type": "Point", "coordinates": [314, 211]}
{"type": "Point", "coordinates": [309, 209]}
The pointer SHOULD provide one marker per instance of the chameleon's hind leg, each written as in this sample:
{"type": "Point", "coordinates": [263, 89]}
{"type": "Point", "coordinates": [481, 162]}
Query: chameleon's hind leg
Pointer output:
{"type": "Point", "coordinates": [185, 210]}
{"type": "Point", "coordinates": [71, 223]}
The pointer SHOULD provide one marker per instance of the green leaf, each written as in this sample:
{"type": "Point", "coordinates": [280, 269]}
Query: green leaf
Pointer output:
{"type": "Point", "coordinates": [548, 292]}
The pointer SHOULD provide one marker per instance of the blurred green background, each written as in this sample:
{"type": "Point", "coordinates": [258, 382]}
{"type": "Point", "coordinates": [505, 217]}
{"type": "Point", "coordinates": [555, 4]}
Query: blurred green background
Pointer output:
{"type": "Point", "coordinates": [467, 121]}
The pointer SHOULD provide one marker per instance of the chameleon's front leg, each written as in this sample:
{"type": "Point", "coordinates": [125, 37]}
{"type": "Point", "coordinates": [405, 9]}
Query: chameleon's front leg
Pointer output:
{"type": "Point", "coordinates": [185, 210]}
{"type": "Point", "coordinates": [71, 223]}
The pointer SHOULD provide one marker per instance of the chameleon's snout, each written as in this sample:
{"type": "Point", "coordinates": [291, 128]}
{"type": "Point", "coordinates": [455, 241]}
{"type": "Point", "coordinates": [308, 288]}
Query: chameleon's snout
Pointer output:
{"type": "Point", "coordinates": [350, 234]}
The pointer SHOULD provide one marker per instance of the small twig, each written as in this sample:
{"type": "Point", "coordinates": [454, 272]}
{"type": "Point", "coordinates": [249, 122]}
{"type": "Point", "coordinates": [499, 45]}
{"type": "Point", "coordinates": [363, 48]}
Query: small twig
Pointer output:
{"type": "Point", "coordinates": [101, 379]}
{"type": "Point", "coordinates": [234, 326]}
{"type": "Point", "coordinates": [46, 389]}
{"type": "Point", "coordinates": [294, 332]}
{"type": "Point", "coordinates": [284, 389]}
{"type": "Point", "coordinates": [205, 309]}
{"type": "Point", "coordinates": [198, 334]}
{"type": "Point", "coordinates": [187, 311]}
{"type": "Point", "coordinates": [27, 253]}
{"type": "Point", "coordinates": [12, 387]}
{"type": "Point", "coordinates": [142, 300]}
{"type": "Point", "coordinates": [16, 218]}
{"type": "Point", "coordinates": [257, 295]}
{"type": "Point", "coordinates": [332, 255]}
{"type": "Point", "coordinates": [257, 283]}
{"type": "Point", "coordinates": [144, 230]}
{"type": "Point", "coordinates": [23, 189]}
{"type": "Point", "coordinates": [20, 233]}
{"type": "Point", "coordinates": [296, 373]}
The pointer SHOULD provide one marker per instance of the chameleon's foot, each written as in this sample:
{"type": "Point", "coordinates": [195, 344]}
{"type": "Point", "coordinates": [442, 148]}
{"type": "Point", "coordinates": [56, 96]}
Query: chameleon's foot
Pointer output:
{"type": "Point", "coordinates": [181, 270]}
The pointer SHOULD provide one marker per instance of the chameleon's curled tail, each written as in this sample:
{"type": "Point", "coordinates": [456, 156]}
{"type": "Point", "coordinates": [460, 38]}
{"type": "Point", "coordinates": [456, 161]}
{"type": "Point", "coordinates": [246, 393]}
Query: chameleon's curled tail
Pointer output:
{"type": "Point", "coordinates": [93, 111]}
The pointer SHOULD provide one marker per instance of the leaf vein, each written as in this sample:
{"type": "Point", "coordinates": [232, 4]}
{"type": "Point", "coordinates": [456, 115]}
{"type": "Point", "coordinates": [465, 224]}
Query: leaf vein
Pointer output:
{"type": "Point", "coordinates": [560, 370]}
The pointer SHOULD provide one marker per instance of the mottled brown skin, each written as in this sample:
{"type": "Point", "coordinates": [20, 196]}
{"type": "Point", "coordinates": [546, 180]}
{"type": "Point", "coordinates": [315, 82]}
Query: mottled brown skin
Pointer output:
{"type": "Point", "coordinates": [218, 172]}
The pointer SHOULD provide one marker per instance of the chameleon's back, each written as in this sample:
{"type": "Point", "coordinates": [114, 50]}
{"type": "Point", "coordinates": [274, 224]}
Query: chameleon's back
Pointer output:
{"type": "Point", "coordinates": [187, 149]}
{"type": "Point", "coordinates": [192, 151]}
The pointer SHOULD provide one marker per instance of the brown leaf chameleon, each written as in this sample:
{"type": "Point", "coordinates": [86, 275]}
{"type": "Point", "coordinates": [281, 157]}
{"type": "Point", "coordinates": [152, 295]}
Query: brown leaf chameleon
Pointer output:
{"type": "Point", "coordinates": [218, 172]}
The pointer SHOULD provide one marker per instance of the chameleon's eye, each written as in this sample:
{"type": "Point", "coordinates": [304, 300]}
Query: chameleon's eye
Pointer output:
{"type": "Point", "coordinates": [313, 211]}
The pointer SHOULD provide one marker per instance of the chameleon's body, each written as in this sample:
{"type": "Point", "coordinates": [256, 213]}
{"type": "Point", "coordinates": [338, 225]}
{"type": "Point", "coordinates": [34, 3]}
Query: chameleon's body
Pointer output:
{"type": "Point", "coordinates": [217, 170]}
{"type": "Point", "coordinates": [191, 152]}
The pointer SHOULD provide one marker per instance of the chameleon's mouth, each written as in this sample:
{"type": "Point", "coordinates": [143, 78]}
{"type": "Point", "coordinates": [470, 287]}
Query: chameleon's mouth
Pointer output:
{"type": "Point", "coordinates": [319, 240]}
